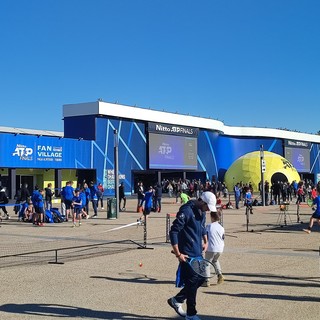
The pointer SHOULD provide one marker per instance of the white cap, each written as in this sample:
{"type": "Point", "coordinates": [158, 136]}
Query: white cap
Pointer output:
{"type": "Point", "coordinates": [210, 199]}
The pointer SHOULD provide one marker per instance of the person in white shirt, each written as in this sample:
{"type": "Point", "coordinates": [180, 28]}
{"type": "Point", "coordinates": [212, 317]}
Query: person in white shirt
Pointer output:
{"type": "Point", "coordinates": [215, 233]}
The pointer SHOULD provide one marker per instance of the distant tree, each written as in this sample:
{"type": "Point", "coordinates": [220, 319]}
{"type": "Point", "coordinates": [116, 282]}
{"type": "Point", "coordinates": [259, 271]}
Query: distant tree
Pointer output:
{"type": "Point", "coordinates": [318, 133]}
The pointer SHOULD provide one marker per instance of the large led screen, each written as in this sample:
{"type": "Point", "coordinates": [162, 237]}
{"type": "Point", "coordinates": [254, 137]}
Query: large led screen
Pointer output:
{"type": "Point", "coordinates": [172, 152]}
{"type": "Point", "coordinates": [299, 157]}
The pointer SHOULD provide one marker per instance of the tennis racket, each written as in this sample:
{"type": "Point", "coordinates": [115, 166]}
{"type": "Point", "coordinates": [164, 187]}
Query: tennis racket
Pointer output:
{"type": "Point", "coordinates": [201, 266]}
{"type": "Point", "coordinates": [310, 202]}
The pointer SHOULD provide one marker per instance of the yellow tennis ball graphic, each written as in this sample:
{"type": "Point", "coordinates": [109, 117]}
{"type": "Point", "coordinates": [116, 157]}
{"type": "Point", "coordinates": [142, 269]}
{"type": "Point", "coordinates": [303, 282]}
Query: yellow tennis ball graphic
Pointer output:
{"type": "Point", "coordinates": [248, 170]}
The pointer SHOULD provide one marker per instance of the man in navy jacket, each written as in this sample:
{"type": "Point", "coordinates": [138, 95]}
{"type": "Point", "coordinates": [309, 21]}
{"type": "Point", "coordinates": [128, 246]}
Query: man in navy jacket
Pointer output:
{"type": "Point", "coordinates": [189, 239]}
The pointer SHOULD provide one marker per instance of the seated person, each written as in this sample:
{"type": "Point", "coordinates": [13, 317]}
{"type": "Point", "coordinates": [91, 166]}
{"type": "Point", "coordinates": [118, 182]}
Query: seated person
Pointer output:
{"type": "Point", "coordinates": [28, 213]}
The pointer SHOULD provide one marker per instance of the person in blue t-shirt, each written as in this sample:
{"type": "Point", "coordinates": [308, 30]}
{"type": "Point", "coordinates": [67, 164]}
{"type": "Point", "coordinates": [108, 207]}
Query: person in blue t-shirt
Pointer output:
{"type": "Point", "coordinates": [68, 194]}
{"type": "Point", "coordinates": [147, 202]}
{"type": "Point", "coordinates": [316, 214]}
{"type": "Point", "coordinates": [77, 208]}
{"type": "Point", "coordinates": [37, 201]}
{"type": "Point", "coordinates": [83, 197]}
{"type": "Point", "coordinates": [248, 200]}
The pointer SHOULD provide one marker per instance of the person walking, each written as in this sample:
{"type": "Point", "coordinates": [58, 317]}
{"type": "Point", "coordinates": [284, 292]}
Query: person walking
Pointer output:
{"type": "Point", "coordinates": [215, 232]}
{"type": "Point", "coordinates": [100, 195]}
{"type": "Point", "coordinates": [3, 201]}
{"type": "Point", "coordinates": [122, 197]}
{"type": "Point", "coordinates": [157, 197]}
{"type": "Point", "coordinates": [94, 198]}
{"type": "Point", "coordinates": [140, 193]}
{"type": "Point", "coordinates": [189, 239]}
{"type": "Point", "coordinates": [316, 214]}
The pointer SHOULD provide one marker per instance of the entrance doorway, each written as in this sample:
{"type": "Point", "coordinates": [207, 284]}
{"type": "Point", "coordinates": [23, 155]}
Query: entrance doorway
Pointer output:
{"type": "Point", "coordinates": [85, 175]}
{"type": "Point", "coordinates": [21, 180]}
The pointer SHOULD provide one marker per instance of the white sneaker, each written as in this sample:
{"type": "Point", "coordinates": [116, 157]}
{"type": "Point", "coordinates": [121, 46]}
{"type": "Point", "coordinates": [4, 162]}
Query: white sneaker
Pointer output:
{"type": "Point", "coordinates": [195, 317]}
{"type": "Point", "coordinates": [177, 307]}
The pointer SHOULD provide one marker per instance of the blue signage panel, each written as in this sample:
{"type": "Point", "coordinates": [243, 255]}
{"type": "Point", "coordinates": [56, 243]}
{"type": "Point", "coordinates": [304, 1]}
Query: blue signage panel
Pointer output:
{"type": "Point", "coordinates": [23, 151]}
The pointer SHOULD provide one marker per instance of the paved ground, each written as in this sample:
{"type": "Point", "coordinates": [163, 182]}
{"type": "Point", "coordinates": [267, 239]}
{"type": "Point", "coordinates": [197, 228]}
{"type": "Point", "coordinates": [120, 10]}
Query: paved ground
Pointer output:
{"type": "Point", "coordinates": [272, 271]}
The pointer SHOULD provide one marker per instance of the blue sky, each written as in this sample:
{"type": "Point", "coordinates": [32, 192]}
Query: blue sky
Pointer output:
{"type": "Point", "coordinates": [244, 62]}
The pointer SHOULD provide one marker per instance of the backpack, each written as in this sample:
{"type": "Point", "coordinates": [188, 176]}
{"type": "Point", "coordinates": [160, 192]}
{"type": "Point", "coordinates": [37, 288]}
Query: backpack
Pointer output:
{"type": "Point", "coordinates": [57, 217]}
{"type": "Point", "coordinates": [48, 216]}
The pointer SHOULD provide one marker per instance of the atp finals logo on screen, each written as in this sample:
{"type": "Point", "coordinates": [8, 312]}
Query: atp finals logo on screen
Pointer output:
{"type": "Point", "coordinates": [23, 152]}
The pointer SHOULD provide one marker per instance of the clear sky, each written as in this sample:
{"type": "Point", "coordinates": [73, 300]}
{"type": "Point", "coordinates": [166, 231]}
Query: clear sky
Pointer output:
{"type": "Point", "coordinates": [244, 62]}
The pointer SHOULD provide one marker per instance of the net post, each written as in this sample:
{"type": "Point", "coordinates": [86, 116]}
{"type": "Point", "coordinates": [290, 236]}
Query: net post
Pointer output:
{"type": "Point", "coordinates": [298, 212]}
{"type": "Point", "coordinates": [56, 258]}
{"type": "Point", "coordinates": [247, 217]}
{"type": "Point", "coordinates": [144, 234]}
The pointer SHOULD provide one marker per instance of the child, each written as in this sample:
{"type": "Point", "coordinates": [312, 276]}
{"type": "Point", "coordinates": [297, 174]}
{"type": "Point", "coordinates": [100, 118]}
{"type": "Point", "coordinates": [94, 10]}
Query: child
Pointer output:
{"type": "Point", "coordinates": [77, 208]}
{"type": "Point", "coordinates": [83, 197]}
{"type": "Point", "coordinates": [316, 215]}
{"type": "Point", "coordinates": [215, 234]}
{"type": "Point", "coordinates": [27, 212]}
{"type": "Point", "coordinates": [248, 201]}
{"type": "Point", "coordinates": [148, 202]}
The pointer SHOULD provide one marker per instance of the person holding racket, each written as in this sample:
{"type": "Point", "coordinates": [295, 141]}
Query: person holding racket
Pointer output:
{"type": "Point", "coordinates": [316, 215]}
{"type": "Point", "coordinates": [188, 238]}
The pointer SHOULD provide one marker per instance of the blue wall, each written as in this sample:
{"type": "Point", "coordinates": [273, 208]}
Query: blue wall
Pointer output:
{"type": "Point", "coordinates": [216, 153]}
{"type": "Point", "coordinates": [132, 151]}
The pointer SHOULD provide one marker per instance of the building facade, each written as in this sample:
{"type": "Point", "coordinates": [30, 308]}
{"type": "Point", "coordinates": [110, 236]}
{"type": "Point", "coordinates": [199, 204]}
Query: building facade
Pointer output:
{"type": "Point", "coordinates": [151, 145]}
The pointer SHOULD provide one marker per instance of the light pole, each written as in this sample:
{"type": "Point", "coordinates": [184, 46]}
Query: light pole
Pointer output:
{"type": "Point", "coordinates": [263, 170]}
{"type": "Point", "coordinates": [116, 170]}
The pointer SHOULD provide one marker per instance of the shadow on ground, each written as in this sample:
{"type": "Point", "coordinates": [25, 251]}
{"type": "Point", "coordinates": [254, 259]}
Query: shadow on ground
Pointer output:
{"type": "Point", "coordinates": [64, 311]}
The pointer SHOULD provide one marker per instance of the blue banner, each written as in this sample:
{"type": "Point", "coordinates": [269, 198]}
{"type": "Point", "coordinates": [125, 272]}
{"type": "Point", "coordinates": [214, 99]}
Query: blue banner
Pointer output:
{"type": "Point", "coordinates": [23, 151]}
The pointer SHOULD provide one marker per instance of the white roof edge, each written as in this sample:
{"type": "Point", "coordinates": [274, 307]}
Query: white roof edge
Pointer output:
{"type": "Point", "coordinates": [143, 114]}
{"type": "Point", "coordinates": [270, 132]}
{"type": "Point", "coordinates": [137, 113]}
{"type": "Point", "coordinates": [16, 131]}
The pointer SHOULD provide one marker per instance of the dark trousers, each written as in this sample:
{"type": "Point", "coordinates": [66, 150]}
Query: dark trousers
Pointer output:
{"type": "Point", "coordinates": [158, 204]}
{"type": "Point", "coordinates": [124, 199]}
{"type": "Point", "coordinates": [95, 206]}
{"type": "Point", "coordinates": [189, 292]}
{"type": "Point", "coordinates": [3, 208]}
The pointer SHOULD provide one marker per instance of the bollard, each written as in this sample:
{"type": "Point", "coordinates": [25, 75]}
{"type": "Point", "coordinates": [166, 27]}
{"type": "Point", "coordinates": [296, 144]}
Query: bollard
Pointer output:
{"type": "Point", "coordinates": [168, 224]}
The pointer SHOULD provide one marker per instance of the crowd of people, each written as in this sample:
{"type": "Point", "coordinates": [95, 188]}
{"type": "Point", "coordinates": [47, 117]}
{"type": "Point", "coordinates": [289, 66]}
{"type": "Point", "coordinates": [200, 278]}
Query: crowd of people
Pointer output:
{"type": "Point", "coordinates": [37, 207]}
